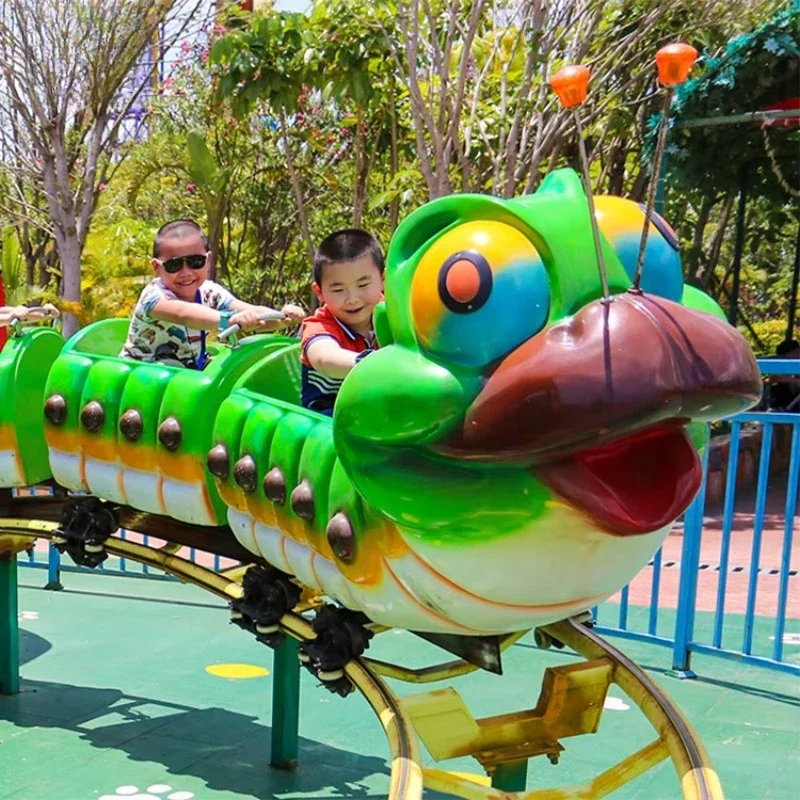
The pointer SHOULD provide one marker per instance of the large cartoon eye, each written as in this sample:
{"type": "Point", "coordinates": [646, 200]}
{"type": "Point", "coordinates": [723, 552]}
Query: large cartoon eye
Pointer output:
{"type": "Point", "coordinates": [478, 292]}
{"type": "Point", "coordinates": [621, 223]}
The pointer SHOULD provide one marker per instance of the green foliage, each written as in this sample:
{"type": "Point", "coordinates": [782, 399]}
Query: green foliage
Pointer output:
{"type": "Point", "coordinates": [264, 61]}
{"type": "Point", "coordinates": [756, 71]}
{"type": "Point", "coordinates": [12, 266]}
{"type": "Point", "coordinates": [770, 332]}
{"type": "Point", "coordinates": [202, 166]}
{"type": "Point", "coordinates": [328, 94]}
{"type": "Point", "coordinates": [115, 267]}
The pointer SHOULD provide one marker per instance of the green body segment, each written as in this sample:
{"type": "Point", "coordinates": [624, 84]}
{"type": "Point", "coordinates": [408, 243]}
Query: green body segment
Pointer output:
{"type": "Point", "coordinates": [278, 472]}
{"type": "Point", "coordinates": [25, 362]}
{"type": "Point", "coordinates": [155, 462]}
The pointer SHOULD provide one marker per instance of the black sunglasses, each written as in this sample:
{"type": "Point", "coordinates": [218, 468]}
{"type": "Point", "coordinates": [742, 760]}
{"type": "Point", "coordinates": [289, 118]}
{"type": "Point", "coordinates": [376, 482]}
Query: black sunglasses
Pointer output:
{"type": "Point", "coordinates": [173, 265]}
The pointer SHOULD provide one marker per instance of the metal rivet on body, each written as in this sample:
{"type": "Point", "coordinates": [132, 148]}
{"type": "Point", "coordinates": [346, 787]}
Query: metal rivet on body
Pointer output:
{"type": "Point", "coordinates": [131, 425]}
{"type": "Point", "coordinates": [170, 434]}
{"type": "Point", "coordinates": [303, 500]}
{"type": "Point", "coordinates": [93, 416]}
{"type": "Point", "coordinates": [275, 486]}
{"type": "Point", "coordinates": [245, 473]}
{"type": "Point", "coordinates": [219, 462]}
{"type": "Point", "coordinates": [341, 537]}
{"type": "Point", "coordinates": [55, 409]}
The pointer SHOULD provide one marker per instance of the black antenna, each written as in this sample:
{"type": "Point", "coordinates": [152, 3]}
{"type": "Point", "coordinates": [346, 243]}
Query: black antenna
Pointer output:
{"type": "Point", "coordinates": [571, 84]}
{"type": "Point", "coordinates": [674, 62]}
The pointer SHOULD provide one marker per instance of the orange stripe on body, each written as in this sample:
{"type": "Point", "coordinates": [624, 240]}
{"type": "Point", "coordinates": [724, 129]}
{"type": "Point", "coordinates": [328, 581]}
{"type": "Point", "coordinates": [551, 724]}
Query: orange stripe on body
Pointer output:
{"type": "Point", "coordinates": [60, 439]}
{"type": "Point", "coordinates": [8, 438]}
{"type": "Point", "coordinates": [432, 612]}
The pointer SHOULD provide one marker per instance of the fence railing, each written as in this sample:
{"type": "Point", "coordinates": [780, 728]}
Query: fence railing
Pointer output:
{"type": "Point", "coordinates": [725, 587]}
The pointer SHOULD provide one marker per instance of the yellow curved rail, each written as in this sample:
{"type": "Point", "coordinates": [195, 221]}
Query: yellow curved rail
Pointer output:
{"type": "Point", "coordinates": [406, 773]}
{"type": "Point", "coordinates": [698, 778]}
{"type": "Point", "coordinates": [675, 737]}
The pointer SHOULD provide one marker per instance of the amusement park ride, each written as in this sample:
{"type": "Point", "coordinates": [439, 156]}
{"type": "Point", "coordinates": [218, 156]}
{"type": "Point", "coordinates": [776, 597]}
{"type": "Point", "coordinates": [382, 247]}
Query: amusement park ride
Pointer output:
{"type": "Point", "coordinates": [512, 455]}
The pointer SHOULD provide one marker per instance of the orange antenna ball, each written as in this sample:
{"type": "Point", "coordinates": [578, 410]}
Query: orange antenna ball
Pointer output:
{"type": "Point", "coordinates": [674, 62]}
{"type": "Point", "coordinates": [571, 84]}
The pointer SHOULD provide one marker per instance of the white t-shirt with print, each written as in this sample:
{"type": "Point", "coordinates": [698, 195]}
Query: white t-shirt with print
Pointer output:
{"type": "Point", "coordinates": [152, 339]}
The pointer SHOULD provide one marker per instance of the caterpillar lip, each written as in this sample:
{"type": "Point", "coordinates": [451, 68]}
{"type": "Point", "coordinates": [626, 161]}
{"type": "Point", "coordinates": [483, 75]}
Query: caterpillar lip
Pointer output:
{"type": "Point", "coordinates": [614, 369]}
{"type": "Point", "coordinates": [610, 387]}
{"type": "Point", "coordinates": [638, 484]}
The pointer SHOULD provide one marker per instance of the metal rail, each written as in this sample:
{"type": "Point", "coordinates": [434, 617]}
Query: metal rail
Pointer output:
{"type": "Point", "coordinates": [567, 702]}
{"type": "Point", "coordinates": [406, 772]}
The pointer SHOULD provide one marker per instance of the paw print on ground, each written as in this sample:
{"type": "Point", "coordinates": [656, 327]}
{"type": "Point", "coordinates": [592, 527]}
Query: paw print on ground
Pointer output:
{"type": "Point", "coordinates": [158, 791]}
{"type": "Point", "coordinates": [612, 703]}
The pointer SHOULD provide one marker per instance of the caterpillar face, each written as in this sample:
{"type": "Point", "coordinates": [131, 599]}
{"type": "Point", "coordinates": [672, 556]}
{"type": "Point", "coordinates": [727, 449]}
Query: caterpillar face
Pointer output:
{"type": "Point", "coordinates": [503, 354]}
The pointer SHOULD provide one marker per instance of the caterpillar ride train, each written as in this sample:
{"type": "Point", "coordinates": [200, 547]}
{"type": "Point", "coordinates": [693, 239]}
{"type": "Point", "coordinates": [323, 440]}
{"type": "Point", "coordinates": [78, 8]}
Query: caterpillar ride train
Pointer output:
{"type": "Point", "coordinates": [513, 454]}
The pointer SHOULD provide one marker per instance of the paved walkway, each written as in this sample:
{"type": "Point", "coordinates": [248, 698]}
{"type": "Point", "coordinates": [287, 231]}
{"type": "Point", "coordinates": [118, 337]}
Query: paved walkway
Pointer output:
{"type": "Point", "coordinates": [740, 558]}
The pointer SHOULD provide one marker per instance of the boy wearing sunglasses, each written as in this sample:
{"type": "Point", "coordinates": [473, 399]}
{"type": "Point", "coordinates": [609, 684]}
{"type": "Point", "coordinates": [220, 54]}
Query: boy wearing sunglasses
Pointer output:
{"type": "Point", "coordinates": [180, 304]}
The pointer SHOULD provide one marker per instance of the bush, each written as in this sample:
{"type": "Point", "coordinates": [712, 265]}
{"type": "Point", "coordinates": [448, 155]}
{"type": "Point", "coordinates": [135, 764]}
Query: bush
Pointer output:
{"type": "Point", "coordinates": [771, 332]}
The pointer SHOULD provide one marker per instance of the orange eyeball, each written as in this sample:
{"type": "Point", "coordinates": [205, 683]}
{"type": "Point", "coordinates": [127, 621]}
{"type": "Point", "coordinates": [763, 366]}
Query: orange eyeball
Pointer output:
{"type": "Point", "coordinates": [571, 84]}
{"type": "Point", "coordinates": [674, 62]}
{"type": "Point", "coordinates": [463, 281]}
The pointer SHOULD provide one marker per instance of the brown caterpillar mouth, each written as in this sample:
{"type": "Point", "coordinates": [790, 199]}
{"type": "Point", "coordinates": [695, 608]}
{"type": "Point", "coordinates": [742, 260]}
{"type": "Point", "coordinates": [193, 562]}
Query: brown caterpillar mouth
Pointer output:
{"type": "Point", "coordinates": [612, 370]}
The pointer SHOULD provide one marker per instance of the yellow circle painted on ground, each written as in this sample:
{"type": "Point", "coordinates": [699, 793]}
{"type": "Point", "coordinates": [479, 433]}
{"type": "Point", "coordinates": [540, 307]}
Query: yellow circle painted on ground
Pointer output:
{"type": "Point", "coordinates": [236, 671]}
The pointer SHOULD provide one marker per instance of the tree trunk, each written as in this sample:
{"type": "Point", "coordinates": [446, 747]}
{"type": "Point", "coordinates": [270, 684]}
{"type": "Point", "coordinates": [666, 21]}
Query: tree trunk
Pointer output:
{"type": "Point", "coordinates": [70, 254]}
{"type": "Point", "coordinates": [359, 190]}
{"type": "Point", "coordinates": [297, 188]}
{"type": "Point", "coordinates": [394, 206]}
{"type": "Point", "coordinates": [694, 259]}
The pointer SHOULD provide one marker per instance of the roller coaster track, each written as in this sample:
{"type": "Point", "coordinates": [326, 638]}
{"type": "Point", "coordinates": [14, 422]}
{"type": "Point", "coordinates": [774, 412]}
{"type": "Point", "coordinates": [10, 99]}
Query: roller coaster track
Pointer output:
{"type": "Point", "coordinates": [571, 695]}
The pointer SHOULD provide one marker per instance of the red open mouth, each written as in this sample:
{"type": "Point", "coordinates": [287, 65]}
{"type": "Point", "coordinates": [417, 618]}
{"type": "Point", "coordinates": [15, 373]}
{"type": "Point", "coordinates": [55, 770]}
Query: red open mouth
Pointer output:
{"type": "Point", "coordinates": [633, 485]}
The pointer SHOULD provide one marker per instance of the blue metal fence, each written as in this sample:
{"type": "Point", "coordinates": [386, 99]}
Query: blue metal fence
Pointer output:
{"type": "Point", "coordinates": [743, 635]}
{"type": "Point", "coordinates": [746, 635]}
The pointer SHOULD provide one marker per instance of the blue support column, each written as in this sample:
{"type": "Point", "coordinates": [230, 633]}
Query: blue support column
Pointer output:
{"type": "Point", "coordinates": [687, 588]}
{"type": "Point", "coordinates": [9, 626]}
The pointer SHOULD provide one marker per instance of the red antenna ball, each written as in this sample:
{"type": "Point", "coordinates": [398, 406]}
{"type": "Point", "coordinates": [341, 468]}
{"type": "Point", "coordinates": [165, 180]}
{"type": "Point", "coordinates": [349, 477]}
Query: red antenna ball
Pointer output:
{"type": "Point", "coordinates": [674, 62]}
{"type": "Point", "coordinates": [571, 84]}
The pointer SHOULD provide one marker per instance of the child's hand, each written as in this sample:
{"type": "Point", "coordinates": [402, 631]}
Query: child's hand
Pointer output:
{"type": "Point", "coordinates": [47, 311]}
{"type": "Point", "coordinates": [293, 312]}
{"type": "Point", "coordinates": [247, 319]}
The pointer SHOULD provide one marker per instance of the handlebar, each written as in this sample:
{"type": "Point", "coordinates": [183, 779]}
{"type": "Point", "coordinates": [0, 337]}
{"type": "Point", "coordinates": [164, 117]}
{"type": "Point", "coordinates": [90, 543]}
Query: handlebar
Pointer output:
{"type": "Point", "coordinates": [32, 313]}
{"type": "Point", "coordinates": [235, 328]}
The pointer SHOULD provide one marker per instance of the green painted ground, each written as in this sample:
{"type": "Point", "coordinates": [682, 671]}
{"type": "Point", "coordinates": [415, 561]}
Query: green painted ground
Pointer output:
{"type": "Point", "coordinates": [116, 696]}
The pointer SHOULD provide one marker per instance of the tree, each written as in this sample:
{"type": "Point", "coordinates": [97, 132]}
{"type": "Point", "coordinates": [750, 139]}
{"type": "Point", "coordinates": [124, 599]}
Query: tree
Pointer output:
{"type": "Point", "coordinates": [70, 71]}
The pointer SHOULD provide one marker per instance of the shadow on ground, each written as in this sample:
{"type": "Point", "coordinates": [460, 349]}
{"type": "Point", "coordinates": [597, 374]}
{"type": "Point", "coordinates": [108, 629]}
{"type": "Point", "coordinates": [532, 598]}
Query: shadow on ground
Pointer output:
{"type": "Point", "coordinates": [31, 646]}
{"type": "Point", "coordinates": [228, 751]}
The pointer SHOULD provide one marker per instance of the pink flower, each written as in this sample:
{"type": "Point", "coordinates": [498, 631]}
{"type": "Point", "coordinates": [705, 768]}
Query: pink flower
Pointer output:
{"type": "Point", "coordinates": [218, 30]}
{"type": "Point", "coordinates": [190, 187]}
{"type": "Point", "coordinates": [101, 187]}
{"type": "Point", "coordinates": [168, 83]}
